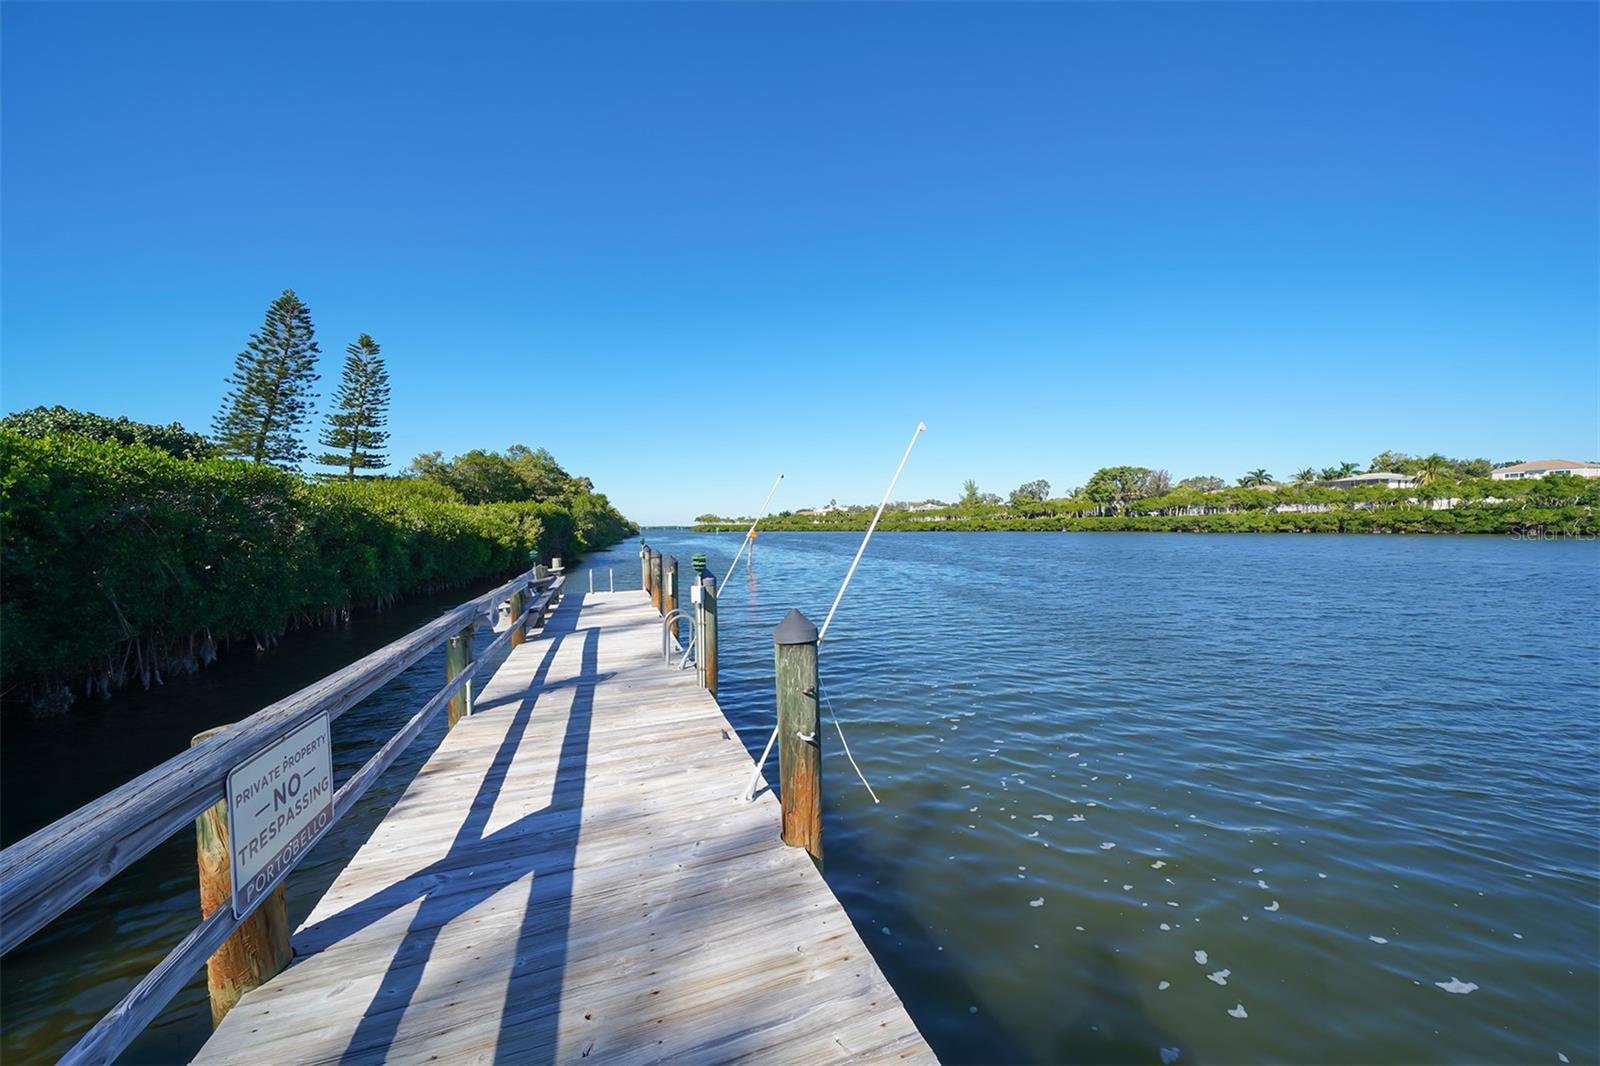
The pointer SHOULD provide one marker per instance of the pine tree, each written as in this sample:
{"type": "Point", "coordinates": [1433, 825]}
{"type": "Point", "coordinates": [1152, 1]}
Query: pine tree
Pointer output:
{"type": "Point", "coordinates": [269, 396]}
{"type": "Point", "coordinates": [355, 427]}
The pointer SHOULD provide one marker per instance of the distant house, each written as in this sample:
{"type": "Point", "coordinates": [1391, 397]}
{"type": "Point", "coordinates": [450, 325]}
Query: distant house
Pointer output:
{"type": "Point", "coordinates": [1386, 479]}
{"type": "Point", "coordinates": [1544, 468]}
{"type": "Point", "coordinates": [931, 505]}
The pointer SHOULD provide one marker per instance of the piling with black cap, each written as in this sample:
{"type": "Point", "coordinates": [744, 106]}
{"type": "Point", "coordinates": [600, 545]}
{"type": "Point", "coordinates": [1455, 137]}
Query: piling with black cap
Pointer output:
{"type": "Point", "coordinates": [655, 579]}
{"type": "Point", "coordinates": [697, 596]}
{"type": "Point", "coordinates": [799, 732]}
{"type": "Point", "coordinates": [644, 565]}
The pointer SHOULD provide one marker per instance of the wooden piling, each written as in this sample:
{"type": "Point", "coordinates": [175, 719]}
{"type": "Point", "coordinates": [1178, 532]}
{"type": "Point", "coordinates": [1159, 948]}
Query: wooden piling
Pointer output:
{"type": "Point", "coordinates": [644, 566]}
{"type": "Point", "coordinates": [457, 657]}
{"type": "Point", "coordinates": [669, 589]}
{"type": "Point", "coordinates": [706, 622]}
{"type": "Point", "coordinates": [519, 630]}
{"type": "Point", "coordinates": [259, 949]}
{"type": "Point", "coordinates": [799, 733]}
{"type": "Point", "coordinates": [655, 579]}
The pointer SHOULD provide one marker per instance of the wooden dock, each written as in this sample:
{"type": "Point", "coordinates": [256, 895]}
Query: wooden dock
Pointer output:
{"type": "Point", "coordinates": [573, 877]}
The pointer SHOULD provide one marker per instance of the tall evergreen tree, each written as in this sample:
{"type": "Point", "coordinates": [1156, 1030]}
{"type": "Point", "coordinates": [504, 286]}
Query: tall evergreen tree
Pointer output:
{"type": "Point", "coordinates": [269, 396]}
{"type": "Point", "coordinates": [361, 410]}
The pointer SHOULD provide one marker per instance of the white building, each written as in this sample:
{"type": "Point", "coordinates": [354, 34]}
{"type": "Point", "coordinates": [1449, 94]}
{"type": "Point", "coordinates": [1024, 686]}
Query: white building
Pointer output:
{"type": "Point", "coordinates": [1387, 479]}
{"type": "Point", "coordinates": [1544, 468]}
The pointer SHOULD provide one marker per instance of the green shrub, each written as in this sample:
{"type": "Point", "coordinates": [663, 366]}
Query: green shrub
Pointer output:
{"type": "Point", "coordinates": [121, 561]}
{"type": "Point", "coordinates": [55, 421]}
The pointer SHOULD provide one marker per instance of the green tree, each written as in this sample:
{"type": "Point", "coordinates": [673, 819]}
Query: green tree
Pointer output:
{"type": "Point", "coordinates": [1030, 493]}
{"type": "Point", "coordinates": [542, 477]}
{"type": "Point", "coordinates": [355, 432]}
{"type": "Point", "coordinates": [1203, 482]}
{"type": "Point", "coordinates": [969, 493]}
{"type": "Point", "coordinates": [1432, 468]}
{"type": "Point", "coordinates": [1115, 487]}
{"type": "Point", "coordinates": [1398, 462]}
{"type": "Point", "coordinates": [1256, 478]}
{"type": "Point", "coordinates": [269, 396]}
{"type": "Point", "coordinates": [1304, 476]}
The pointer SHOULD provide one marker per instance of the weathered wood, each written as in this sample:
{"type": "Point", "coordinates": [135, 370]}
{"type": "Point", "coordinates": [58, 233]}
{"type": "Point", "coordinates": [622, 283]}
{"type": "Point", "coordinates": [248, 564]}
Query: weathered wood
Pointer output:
{"type": "Point", "coordinates": [519, 631]}
{"type": "Point", "coordinates": [794, 645]}
{"type": "Point", "coordinates": [708, 634]}
{"type": "Point", "coordinates": [259, 948]}
{"type": "Point", "coordinates": [545, 891]}
{"type": "Point", "coordinates": [669, 590]}
{"type": "Point", "coordinates": [655, 580]}
{"type": "Point", "coordinates": [47, 872]}
{"type": "Point", "coordinates": [644, 566]}
{"type": "Point", "coordinates": [457, 657]}
{"type": "Point", "coordinates": [112, 1033]}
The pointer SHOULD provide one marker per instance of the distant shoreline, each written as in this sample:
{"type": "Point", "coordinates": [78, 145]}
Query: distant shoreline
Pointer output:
{"type": "Point", "coordinates": [1575, 522]}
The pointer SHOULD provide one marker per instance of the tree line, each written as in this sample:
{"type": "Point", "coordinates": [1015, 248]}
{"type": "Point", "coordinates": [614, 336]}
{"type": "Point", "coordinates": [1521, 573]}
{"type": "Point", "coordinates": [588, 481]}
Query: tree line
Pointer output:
{"type": "Point", "coordinates": [1451, 495]}
{"type": "Point", "coordinates": [133, 551]}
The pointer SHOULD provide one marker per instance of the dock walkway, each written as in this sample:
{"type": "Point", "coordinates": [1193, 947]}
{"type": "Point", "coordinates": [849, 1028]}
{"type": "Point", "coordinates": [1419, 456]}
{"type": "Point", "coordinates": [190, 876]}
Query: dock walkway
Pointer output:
{"type": "Point", "coordinates": [570, 878]}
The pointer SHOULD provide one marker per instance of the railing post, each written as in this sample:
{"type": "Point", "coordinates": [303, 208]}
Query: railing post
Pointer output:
{"type": "Point", "coordinates": [669, 589]}
{"type": "Point", "coordinates": [799, 732]}
{"type": "Point", "coordinates": [519, 630]}
{"type": "Point", "coordinates": [644, 565]}
{"type": "Point", "coordinates": [259, 949]}
{"type": "Point", "coordinates": [707, 623]}
{"type": "Point", "coordinates": [457, 657]}
{"type": "Point", "coordinates": [655, 580]}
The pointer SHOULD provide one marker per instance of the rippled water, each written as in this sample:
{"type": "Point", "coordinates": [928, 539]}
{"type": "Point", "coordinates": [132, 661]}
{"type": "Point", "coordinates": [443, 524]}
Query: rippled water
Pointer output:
{"type": "Point", "coordinates": [1238, 799]}
{"type": "Point", "coordinates": [1340, 770]}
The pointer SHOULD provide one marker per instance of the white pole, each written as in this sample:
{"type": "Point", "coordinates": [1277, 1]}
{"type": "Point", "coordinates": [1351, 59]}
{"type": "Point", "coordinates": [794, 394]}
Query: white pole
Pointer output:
{"type": "Point", "coordinates": [822, 634]}
{"type": "Point", "coordinates": [750, 789]}
{"type": "Point", "coordinates": [611, 575]}
{"type": "Point", "coordinates": [752, 531]}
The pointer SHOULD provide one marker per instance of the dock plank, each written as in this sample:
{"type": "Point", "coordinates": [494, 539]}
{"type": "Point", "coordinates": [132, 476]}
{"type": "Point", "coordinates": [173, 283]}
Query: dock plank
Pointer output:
{"type": "Point", "coordinates": [571, 877]}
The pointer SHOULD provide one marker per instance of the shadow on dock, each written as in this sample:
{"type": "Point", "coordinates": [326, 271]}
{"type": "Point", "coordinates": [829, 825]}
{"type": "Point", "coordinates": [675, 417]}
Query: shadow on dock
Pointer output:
{"type": "Point", "coordinates": [543, 844]}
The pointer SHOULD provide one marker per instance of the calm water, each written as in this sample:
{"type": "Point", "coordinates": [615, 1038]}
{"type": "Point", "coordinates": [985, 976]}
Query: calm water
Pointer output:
{"type": "Point", "coordinates": [1130, 783]}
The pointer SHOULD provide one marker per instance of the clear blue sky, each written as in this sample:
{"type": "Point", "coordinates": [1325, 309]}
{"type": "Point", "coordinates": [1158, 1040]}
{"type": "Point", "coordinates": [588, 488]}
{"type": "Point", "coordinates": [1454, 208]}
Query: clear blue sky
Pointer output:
{"type": "Point", "coordinates": [688, 246]}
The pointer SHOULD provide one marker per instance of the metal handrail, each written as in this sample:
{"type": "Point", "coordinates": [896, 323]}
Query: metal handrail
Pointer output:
{"type": "Point", "coordinates": [667, 637]}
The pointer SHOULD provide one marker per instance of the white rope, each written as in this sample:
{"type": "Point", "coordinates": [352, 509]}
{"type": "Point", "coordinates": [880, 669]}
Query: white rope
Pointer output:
{"type": "Point", "coordinates": [846, 745]}
{"type": "Point", "coordinates": [755, 775]}
{"type": "Point", "coordinates": [752, 531]}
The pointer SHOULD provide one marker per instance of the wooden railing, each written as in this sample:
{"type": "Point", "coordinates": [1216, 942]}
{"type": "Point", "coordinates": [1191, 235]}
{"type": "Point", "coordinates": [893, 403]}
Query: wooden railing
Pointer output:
{"type": "Point", "coordinates": [48, 872]}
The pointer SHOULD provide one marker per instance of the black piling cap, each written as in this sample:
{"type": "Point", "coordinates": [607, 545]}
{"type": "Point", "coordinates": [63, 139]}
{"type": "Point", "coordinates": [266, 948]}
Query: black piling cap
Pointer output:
{"type": "Point", "coordinates": [795, 628]}
{"type": "Point", "coordinates": [654, 554]}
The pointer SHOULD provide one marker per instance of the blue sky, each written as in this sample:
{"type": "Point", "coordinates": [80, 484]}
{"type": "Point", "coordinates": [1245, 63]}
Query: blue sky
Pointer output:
{"type": "Point", "coordinates": [686, 247]}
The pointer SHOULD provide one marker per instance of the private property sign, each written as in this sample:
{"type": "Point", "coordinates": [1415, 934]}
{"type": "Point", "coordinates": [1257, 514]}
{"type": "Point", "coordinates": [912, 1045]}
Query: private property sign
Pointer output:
{"type": "Point", "coordinates": [280, 801]}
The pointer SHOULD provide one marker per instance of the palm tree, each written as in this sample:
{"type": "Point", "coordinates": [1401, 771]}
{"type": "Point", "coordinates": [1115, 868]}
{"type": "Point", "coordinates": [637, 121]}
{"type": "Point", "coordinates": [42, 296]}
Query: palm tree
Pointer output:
{"type": "Point", "coordinates": [1432, 468]}
{"type": "Point", "coordinates": [1256, 478]}
{"type": "Point", "coordinates": [1304, 476]}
